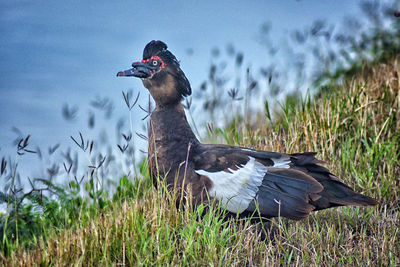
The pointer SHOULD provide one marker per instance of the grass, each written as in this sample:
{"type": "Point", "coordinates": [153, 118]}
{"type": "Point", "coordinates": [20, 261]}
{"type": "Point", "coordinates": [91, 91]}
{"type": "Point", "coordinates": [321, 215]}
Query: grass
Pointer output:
{"type": "Point", "coordinates": [355, 128]}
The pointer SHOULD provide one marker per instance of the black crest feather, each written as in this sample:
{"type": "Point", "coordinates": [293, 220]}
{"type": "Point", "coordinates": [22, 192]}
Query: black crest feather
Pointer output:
{"type": "Point", "coordinates": [159, 48]}
{"type": "Point", "coordinates": [154, 48]}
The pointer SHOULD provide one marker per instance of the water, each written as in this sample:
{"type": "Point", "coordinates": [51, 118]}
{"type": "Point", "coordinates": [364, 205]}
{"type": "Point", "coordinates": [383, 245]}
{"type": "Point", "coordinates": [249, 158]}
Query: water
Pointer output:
{"type": "Point", "coordinates": [54, 53]}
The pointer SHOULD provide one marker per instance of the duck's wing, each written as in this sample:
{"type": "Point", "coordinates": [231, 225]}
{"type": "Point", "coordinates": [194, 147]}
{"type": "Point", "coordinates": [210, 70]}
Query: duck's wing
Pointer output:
{"type": "Point", "coordinates": [246, 180]}
{"type": "Point", "coordinates": [275, 184]}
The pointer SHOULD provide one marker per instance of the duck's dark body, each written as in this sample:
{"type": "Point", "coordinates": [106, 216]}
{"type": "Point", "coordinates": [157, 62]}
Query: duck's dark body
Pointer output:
{"type": "Point", "coordinates": [171, 143]}
{"type": "Point", "coordinates": [244, 180]}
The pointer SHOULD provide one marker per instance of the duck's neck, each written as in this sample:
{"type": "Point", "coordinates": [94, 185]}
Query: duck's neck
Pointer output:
{"type": "Point", "coordinates": [170, 141]}
{"type": "Point", "coordinates": [169, 126]}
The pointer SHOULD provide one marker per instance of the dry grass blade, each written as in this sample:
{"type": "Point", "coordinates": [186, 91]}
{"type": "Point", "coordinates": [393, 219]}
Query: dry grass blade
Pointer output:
{"type": "Point", "coordinates": [355, 128]}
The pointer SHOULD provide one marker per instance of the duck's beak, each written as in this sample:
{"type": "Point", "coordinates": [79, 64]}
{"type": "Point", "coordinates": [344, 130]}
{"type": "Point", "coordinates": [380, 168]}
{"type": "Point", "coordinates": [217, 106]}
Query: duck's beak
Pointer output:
{"type": "Point", "coordinates": [140, 70]}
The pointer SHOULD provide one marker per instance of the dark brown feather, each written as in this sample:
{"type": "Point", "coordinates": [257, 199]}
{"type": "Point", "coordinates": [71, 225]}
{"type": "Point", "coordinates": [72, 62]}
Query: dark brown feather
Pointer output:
{"type": "Point", "coordinates": [335, 192]}
{"type": "Point", "coordinates": [293, 184]}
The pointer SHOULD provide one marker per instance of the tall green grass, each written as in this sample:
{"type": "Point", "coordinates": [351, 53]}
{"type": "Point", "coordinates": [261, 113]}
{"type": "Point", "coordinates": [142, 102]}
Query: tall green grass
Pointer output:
{"type": "Point", "coordinates": [355, 128]}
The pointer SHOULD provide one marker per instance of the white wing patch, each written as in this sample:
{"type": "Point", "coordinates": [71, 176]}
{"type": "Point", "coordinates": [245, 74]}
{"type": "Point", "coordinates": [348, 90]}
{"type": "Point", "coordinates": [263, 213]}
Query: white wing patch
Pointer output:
{"type": "Point", "coordinates": [282, 162]}
{"type": "Point", "coordinates": [248, 150]}
{"type": "Point", "coordinates": [239, 187]}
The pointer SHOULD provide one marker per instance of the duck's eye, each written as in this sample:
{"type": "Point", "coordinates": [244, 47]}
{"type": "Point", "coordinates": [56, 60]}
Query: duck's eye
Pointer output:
{"type": "Point", "coordinates": [155, 62]}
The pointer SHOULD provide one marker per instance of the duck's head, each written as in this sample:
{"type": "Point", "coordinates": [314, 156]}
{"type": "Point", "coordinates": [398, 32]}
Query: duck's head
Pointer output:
{"type": "Point", "coordinates": [161, 74]}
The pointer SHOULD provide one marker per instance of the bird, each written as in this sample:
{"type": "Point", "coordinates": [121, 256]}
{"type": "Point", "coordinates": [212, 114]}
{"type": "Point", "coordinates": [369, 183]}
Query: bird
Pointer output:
{"type": "Point", "coordinates": [244, 181]}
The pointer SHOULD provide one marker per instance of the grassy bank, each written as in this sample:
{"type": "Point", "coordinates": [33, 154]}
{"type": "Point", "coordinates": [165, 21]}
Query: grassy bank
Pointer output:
{"type": "Point", "coordinates": [355, 128]}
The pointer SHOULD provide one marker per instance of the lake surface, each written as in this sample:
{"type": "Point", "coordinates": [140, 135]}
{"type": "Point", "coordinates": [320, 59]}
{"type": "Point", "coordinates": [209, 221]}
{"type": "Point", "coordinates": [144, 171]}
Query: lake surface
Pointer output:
{"type": "Point", "coordinates": [53, 53]}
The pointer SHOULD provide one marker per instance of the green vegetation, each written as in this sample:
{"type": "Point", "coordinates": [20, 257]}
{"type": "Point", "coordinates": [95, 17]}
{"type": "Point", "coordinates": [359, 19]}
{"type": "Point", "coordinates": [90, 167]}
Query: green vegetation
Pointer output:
{"type": "Point", "coordinates": [355, 128]}
{"type": "Point", "coordinates": [99, 218]}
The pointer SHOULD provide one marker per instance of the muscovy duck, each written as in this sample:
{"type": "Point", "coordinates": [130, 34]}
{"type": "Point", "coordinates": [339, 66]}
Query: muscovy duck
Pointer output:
{"type": "Point", "coordinates": [244, 180]}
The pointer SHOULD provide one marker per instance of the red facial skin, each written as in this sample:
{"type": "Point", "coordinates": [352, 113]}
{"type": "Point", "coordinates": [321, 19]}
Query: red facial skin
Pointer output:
{"type": "Point", "coordinates": [154, 58]}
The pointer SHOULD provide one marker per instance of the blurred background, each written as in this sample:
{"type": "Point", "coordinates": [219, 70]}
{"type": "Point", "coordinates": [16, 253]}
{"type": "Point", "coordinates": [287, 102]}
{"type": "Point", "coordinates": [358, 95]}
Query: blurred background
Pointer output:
{"type": "Point", "coordinates": [59, 61]}
{"type": "Point", "coordinates": [287, 76]}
